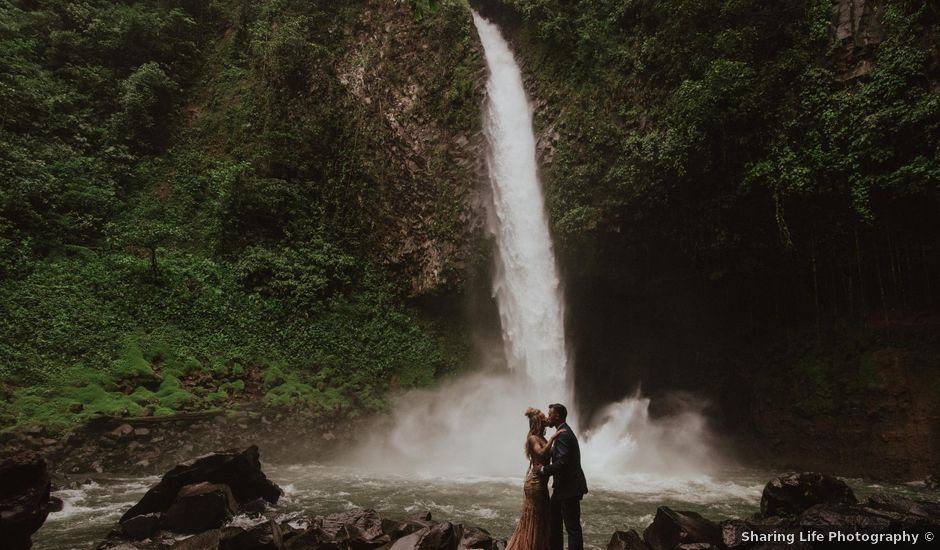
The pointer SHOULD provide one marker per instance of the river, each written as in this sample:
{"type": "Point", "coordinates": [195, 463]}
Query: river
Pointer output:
{"type": "Point", "coordinates": [627, 502]}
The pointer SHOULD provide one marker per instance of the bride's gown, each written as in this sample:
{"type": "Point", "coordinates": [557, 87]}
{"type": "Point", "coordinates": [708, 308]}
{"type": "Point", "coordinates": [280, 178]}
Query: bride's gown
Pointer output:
{"type": "Point", "coordinates": [532, 531]}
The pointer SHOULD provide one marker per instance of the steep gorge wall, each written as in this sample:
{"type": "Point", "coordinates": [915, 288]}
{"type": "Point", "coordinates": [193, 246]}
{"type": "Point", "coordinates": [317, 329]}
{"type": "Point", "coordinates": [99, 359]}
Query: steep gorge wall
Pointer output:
{"type": "Point", "coordinates": [415, 89]}
{"type": "Point", "coordinates": [669, 287]}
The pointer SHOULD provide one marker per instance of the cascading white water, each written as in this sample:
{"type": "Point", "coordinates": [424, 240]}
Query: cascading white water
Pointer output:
{"type": "Point", "coordinates": [474, 425]}
{"type": "Point", "coordinates": [526, 280]}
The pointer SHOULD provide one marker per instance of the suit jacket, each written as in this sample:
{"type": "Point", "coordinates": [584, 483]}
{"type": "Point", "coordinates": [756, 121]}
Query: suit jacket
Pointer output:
{"type": "Point", "coordinates": [566, 466]}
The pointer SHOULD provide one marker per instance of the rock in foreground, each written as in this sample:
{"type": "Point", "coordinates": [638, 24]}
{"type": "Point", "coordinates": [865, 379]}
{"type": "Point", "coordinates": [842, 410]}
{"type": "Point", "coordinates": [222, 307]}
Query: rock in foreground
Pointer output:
{"type": "Point", "coordinates": [202, 497]}
{"type": "Point", "coordinates": [793, 493]}
{"type": "Point", "coordinates": [24, 499]}
{"type": "Point", "coordinates": [239, 470]}
{"type": "Point", "coordinates": [670, 529]}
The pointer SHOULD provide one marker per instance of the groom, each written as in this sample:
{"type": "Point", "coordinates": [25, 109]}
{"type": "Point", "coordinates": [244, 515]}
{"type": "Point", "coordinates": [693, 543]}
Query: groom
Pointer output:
{"type": "Point", "coordinates": [569, 485]}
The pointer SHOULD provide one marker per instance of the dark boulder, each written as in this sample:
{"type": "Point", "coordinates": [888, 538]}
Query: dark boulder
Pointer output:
{"type": "Point", "coordinates": [879, 514]}
{"type": "Point", "coordinates": [289, 531]}
{"type": "Point", "coordinates": [626, 540]}
{"type": "Point", "coordinates": [200, 507]}
{"type": "Point", "coordinates": [793, 493]}
{"type": "Point", "coordinates": [240, 470]}
{"type": "Point", "coordinates": [843, 517]}
{"type": "Point", "coordinates": [366, 520]}
{"type": "Point", "coordinates": [315, 538]}
{"type": "Point", "coordinates": [264, 536]}
{"type": "Point", "coordinates": [396, 529]}
{"type": "Point", "coordinates": [932, 482]}
{"type": "Point", "coordinates": [904, 512]}
{"type": "Point", "coordinates": [24, 499]}
{"type": "Point", "coordinates": [141, 527]}
{"type": "Point", "coordinates": [208, 540]}
{"type": "Point", "coordinates": [732, 530]}
{"type": "Point", "coordinates": [55, 504]}
{"type": "Point", "coordinates": [119, 546]}
{"type": "Point", "coordinates": [408, 542]}
{"type": "Point", "coordinates": [670, 529]}
{"type": "Point", "coordinates": [361, 528]}
{"type": "Point", "coordinates": [476, 537]}
{"type": "Point", "coordinates": [253, 508]}
{"type": "Point", "coordinates": [440, 536]}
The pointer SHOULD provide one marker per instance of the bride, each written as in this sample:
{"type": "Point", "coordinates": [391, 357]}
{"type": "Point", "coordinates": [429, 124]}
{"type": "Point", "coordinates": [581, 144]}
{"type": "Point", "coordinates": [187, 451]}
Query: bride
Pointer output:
{"type": "Point", "coordinates": [532, 531]}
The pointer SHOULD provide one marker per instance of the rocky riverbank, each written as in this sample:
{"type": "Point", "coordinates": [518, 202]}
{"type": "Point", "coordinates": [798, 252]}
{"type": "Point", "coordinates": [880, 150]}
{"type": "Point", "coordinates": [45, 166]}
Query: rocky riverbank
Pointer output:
{"type": "Point", "coordinates": [152, 444]}
{"type": "Point", "coordinates": [797, 510]}
{"type": "Point", "coordinates": [223, 500]}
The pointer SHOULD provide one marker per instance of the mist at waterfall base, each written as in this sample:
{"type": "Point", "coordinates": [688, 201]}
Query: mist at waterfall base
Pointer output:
{"type": "Point", "coordinates": [474, 425]}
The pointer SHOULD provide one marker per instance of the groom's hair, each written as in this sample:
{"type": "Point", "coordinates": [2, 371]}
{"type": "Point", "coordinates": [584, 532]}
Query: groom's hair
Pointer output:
{"type": "Point", "coordinates": [560, 409]}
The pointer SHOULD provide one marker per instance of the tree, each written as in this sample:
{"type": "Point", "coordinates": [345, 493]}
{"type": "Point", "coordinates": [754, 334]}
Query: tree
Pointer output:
{"type": "Point", "coordinates": [148, 97]}
{"type": "Point", "coordinates": [148, 229]}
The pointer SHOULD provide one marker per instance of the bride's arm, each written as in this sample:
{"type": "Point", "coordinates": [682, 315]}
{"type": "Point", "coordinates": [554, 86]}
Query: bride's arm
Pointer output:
{"type": "Point", "coordinates": [538, 449]}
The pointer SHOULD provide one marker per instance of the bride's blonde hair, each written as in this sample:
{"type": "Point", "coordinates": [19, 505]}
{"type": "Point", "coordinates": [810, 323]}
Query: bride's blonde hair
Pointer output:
{"type": "Point", "coordinates": [536, 427]}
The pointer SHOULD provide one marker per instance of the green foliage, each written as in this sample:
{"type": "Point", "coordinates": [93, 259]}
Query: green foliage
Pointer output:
{"type": "Point", "coordinates": [421, 7]}
{"type": "Point", "coordinates": [273, 376]}
{"type": "Point", "coordinates": [91, 311]}
{"type": "Point", "coordinates": [303, 276]}
{"type": "Point", "coordinates": [131, 363]}
{"type": "Point", "coordinates": [187, 198]}
{"type": "Point", "coordinates": [147, 229]}
{"type": "Point", "coordinates": [171, 394]}
{"type": "Point", "coordinates": [286, 50]}
{"type": "Point", "coordinates": [299, 395]}
{"type": "Point", "coordinates": [146, 103]}
{"type": "Point", "coordinates": [233, 388]}
{"type": "Point", "coordinates": [729, 145]}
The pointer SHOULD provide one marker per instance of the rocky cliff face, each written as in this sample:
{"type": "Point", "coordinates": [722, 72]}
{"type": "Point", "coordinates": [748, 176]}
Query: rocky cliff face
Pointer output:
{"type": "Point", "coordinates": [416, 88]}
{"type": "Point", "coordinates": [857, 29]}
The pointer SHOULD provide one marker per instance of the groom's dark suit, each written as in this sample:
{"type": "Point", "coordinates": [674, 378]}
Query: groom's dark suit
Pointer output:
{"type": "Point", "coordinates": [568, 489]}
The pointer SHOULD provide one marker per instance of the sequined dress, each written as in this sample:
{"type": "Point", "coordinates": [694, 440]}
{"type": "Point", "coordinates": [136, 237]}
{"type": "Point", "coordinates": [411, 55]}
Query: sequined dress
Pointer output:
{"type": "Point", "coordinates": [532, 531]}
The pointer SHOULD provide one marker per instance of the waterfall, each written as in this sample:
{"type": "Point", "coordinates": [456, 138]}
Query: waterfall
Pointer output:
{"type": "Point", "coordinates": [526, 279]}
{"type": "Point", "coordinates": [474, 425]}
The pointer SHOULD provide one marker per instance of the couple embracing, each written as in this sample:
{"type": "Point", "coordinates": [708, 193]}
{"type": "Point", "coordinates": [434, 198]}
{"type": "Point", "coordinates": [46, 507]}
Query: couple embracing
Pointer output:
{"type": "Point", "coordinates": [540, 527]}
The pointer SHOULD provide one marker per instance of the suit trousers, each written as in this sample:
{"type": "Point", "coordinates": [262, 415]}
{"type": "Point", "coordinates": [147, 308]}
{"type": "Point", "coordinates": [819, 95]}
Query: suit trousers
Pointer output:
{"type": "Point", "coordinates": [567, 512]}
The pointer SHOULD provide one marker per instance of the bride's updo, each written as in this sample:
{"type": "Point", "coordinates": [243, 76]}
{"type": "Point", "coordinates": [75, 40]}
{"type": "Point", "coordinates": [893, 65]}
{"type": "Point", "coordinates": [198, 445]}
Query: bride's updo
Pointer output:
{"type": "Point", "coordinates": [536, 425]}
